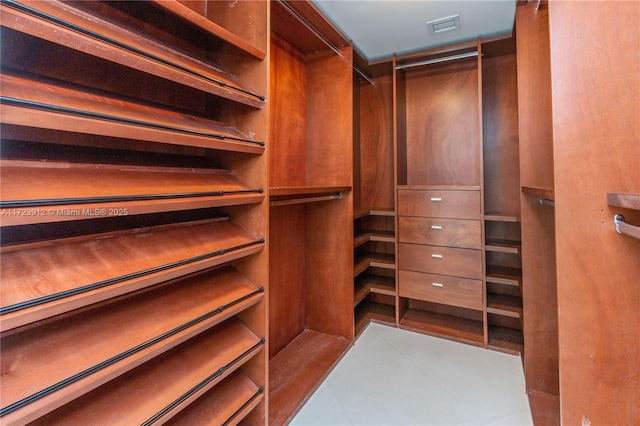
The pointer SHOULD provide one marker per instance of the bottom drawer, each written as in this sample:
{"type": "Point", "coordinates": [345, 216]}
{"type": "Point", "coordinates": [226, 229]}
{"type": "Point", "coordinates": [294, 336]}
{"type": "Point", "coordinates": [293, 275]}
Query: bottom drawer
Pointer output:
{"type": "Point", "coordinates": [454, 291]}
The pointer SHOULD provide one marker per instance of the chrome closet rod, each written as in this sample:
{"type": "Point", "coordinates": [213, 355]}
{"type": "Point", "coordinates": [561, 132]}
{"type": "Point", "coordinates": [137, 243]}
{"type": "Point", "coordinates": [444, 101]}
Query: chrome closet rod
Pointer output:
{"type": "Point", "coordinates": [310, 27]}
{"type": "Point", "coordinates": [363, 75]}
{"type": "Point", "coordinates": [547, 202]}
{"type": "Point", "coordinates": [438, 60]}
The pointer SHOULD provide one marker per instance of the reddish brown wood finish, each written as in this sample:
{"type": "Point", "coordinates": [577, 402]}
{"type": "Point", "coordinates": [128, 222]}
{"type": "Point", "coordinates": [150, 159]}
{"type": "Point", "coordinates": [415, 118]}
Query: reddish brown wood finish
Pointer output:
{"type": "Point", "coordinates": [463, 204]}
{"type": "Point", "coordinates": [440, 232]}
{"type": "Point", "coordinates": [440, 260]}
{"type": "Point", "coordinates": [454, 291]}
{"type": "Point", "coordinates": [596, 100]}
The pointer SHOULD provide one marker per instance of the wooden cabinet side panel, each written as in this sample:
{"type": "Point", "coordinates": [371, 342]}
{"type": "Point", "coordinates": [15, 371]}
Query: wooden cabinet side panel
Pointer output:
{"type": "Point", "coordinates": [596, 99]}
{"type": "Point", "coordinates": [376, 143]}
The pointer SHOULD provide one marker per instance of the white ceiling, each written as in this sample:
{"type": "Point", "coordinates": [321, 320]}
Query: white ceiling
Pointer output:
{"type": "Point", "coordinates": [380, 28]}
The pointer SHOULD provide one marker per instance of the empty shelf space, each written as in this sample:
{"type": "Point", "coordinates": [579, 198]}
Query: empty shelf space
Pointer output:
{"type": "Point", "coordinates": [502, 246]}
{"type": "Point", "coordinates": [379, 236]}
{"type": "Point", "coordinates": [505, 339]}
{"type": "Point", "coordinates": [160, 388]}
{"type": "Point", "coordinates": [367, 283]}
{"type": "Point", "coordinates": [282, 196]}
{"type": "Point", "coordinates": [504, 275]}
{"type": "Point", "coordinates": [504, 305]}
{"type": "Point", "coordinates": [65, 25]}
{"type": "Point", "coordinates": [226, 404]}
{"type": "Point", "coordinates": [99, 344]}
{"type": "Point", "coordinates": [539, 191]}
{"type": "Point", "coordinates": [373, 211]}
{"type": "Point", "coordinates": [40, 280]}
{"type": "Point", "coordinates": [625, 201]}
{"type": "Point", "coordinates": [186, 13]}
{"type": "Point", "coordinates": [443, 325]}
{"type": "Point", "coordinates": [40, 192]}
{"type": "Point", "coordinates": [44, 105]}
{"type": "Point", "coordinates": [368, 311]}
{"type": "Point", "coordinates": [298, 369]}
{"type": "Point", "coordinates": [501, 217]}
{"type": "Point", "coordinates": [366, 260]}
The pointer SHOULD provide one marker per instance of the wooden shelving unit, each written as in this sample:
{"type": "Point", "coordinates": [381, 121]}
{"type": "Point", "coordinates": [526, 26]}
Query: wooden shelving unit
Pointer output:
{"type": "Point", "coordinates": [134, 212]}
{"type": "Point", "coordinates": [311, 204]}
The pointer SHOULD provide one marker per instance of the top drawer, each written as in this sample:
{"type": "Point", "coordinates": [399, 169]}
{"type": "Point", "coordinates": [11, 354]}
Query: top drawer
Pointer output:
{"type": "Point", "coordinates": [439, 203]}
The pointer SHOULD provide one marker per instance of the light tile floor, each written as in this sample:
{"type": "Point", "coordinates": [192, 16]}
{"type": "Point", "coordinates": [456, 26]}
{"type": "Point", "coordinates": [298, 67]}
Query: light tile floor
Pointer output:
{"type": "Point", "coordinates": [396, 377]}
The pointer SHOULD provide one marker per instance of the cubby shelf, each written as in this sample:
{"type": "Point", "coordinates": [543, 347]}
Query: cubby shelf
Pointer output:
{"type": "Point", "coordinates": [159, 389]}
{"type": "Point", "coordinates": [443, 325]}
{"type": "Point", "coordinates": [379, 236]}
{"type": "Point", "coordinates": [365, 260]}
{"type": "Point", "coordinates": [502, 246]}
{"type": "Point", "coordinates": [373, 211]}
{"type": "Point", "coordinates": [539, 191]}
{"type": "Point", "coordinates": [504, 275]}
{"type": "Point", "coordinates": [505, 305]}
{"type": "Point", "coordinates": [81, 191]}
{"type": "Point", "coordinates": [367, 283]}
{"type": "Point", "coordinates": [506, 340]}
{"type": "Point", "coordinates": [368, 311]}
{"type": "Point", "coordinates": [98, 267]}
{"type": "Point", "coordinates": [39, 104]}
{"type": "Point", "coordinates": [81, 31]}
{"type": "Point", "coordinates": [89, 352]}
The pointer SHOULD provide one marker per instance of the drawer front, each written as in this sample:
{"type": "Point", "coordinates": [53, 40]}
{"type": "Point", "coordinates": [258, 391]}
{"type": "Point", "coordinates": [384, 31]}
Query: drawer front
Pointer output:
{"type": "Point", "coordinates": [440, 232]}
{"type": "Point", "coordinates": [439, 203]}
{"type": "Point", "coordinates": [458, 262]}
{"type": "Point", "coordinates": [454, 291]}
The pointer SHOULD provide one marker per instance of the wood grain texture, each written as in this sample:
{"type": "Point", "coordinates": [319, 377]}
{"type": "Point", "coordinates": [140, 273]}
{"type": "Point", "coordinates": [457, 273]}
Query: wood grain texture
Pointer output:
{"type": "Point", "coordinates": [440, 232]}
{"type": "Point", "coordinates": [453, 261]}
{"type": "Point", "coordinates": [500, 135]}
{"type": "Point", "coordinates": [439, 203]}
{"type": "Point", "coordinates": [376, 143]}
{"type": "Point", "coordinates": [534, 96]}
{"type": "Point", "coordinates": [461, 292]}
{"type": "Point", "coordinates": [598, 269]}
{"type": "Point", "coordinates": [442, 125]}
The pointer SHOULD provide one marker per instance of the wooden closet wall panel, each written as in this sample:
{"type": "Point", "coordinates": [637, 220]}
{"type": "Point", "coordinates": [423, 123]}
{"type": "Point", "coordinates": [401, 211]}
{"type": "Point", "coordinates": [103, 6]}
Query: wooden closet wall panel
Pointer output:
{"type": "Point", "coordinates": [288, 309]}
{"type": "Point", "coordinates": [329, 124]}
{"type": "Point", "coordinates": [376, 143]}
{"type": "Point", "coordinates": [288, 110]}
{"type": "Point", "coordinates": [440, 101]}
{"type": "Point", "coordinates": [500, 135]}
{"type": "Point", "coordinates": [596, 98]}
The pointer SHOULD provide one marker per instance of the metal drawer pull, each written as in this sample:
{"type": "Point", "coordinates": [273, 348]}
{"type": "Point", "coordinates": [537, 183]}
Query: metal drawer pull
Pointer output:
{"type": "Point", "coordinates": [436, 226]}
{"type": "Point", "coordinates": [436, 256]}
{"type": "Point", "coordinates": [437, 284]}
{"type": "Point", "coordinates": [436, 199]}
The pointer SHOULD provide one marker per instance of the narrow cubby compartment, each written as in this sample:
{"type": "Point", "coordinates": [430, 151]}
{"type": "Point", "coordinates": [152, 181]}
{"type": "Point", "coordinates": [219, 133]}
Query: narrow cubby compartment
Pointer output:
{"type": "Point", "coordinates": [86, 31]}
{"type": "Point", "coordinates": [89, 351]}
{"type": "Point", "coordinates": [42, 279]}
{"type": "Point", "coordinates": [311, 204]}
{"type": "Point", "coordinates": [159, 389]}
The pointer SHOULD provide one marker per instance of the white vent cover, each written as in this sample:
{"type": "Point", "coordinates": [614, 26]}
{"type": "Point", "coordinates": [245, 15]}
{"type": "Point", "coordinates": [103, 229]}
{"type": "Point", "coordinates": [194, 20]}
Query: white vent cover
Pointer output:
{"type": "Point", "coordinates": [445, 24]}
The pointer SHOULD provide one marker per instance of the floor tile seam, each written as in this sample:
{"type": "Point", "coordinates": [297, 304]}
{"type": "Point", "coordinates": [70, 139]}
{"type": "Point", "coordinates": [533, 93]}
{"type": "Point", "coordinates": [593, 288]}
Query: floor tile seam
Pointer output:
{"type": "Point", "coordinates": [342, 405]}
{"type": "Point", "coordinates": [407, 356]}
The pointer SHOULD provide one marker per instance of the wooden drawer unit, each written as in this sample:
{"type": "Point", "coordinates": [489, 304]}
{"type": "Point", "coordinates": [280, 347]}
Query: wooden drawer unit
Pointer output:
{"type": "Point", "coordinates": [463, 204]}
{"type": "Point", "coordinates": [454, 291]}
{"type": "Point", "coordinates": [458, 262]}
{"type": "Point", "coordinates": [440, 232]}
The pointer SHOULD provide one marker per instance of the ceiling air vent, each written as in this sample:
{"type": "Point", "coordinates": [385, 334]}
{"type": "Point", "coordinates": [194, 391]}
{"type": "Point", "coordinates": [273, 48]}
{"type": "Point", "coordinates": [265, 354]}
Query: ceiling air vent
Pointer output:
{"type": "Point", "coordinates": [445, 24]}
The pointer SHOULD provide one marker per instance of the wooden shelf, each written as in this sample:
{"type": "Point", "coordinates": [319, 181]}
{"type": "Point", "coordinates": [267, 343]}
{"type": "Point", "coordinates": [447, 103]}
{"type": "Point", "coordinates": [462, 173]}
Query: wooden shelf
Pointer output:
{"type": "Point", "coordinates": [159, 389]}
{"type": "Point", "coordinates": [499, 217]}
{"type": "Point", "coordinates": [442, 187]}
{"type": "Point", "coordinates": [41, 192]}
{"type": "Point", "coordinates": [442, 325]}
{"type": "Point", "coordinates": [226, 404]}
{"type": "Point", "coordinates": [368, 311]}
{"type": "Point", "coordinates": [543, 192]}
{"type": "Point", "coordinates": [504, 275]}
{"type": "Point", "coordinates": [40, 280]}
{"type": "Point", "coordinates": [372, 211]}
{"type": "Point", "coordinates": [298, 369]}
{"type": "Point", "coordinates": [504, 305]}
{"type": "Point", "coordinates": [625, 201]}
{"type": "Point", "coordinates": [502, 246]}
{"type": "Point", "coordinates": [367, 283]}
{"type": "Point", "coordinates": [92, 35]}
{"type": "Point", "coordinates": [44, 105]}
{"type": "Point", "coordinates": [373, 260]}
{"type": "Point", "coordinates": [378, 236]}
{"type": "Point", "coordinates": [506, 340]}
{"type": "Point", "coordinates": [100, 344]}
{"type": "Point", "coordinates": [184, 12]}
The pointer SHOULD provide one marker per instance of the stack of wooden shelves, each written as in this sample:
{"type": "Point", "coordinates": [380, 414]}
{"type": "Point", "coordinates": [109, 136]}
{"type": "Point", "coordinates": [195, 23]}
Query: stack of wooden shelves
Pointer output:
{"type": "Point", "coordinates": [133, 212]}
{"type": "Point", "coordinates": [311, 207]}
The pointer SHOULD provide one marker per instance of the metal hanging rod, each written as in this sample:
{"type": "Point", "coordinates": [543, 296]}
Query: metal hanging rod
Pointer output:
{"type": "Point", "coordinates": [438, 60]}
{"type": "Point", "coordinates": [363, 75]}
{"type": "Point", "coordinates": [305, 200]}
{"type": "Point", "coordinates": [623, 227]}
{"type": "Point", "coordinates": [310, 27]}
{"type": "Point", "coordinates": [547, 202]}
